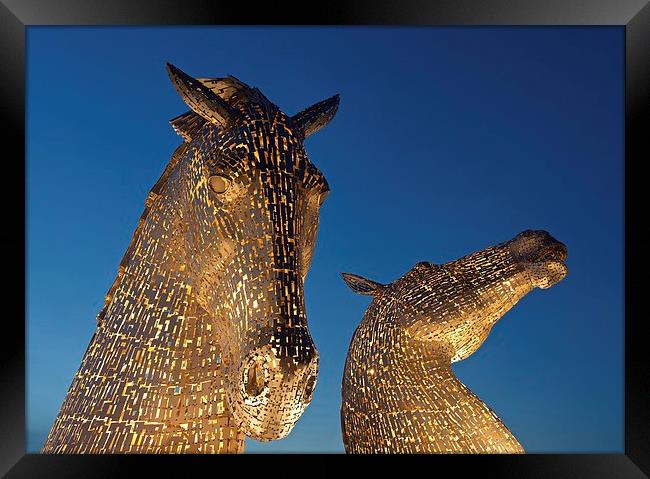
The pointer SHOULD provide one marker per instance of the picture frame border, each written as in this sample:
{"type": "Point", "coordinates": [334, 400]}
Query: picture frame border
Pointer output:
{"type": "Point", "coordinates": [17, 15]}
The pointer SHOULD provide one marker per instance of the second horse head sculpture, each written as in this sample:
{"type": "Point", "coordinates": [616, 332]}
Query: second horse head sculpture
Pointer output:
{"type": "Point", "coordinates": [399, 392]}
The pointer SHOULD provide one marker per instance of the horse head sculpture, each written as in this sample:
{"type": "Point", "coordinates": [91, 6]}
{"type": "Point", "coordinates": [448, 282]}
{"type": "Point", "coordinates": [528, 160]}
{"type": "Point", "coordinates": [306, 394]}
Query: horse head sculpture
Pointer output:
{"type": "Point", "coordinates": [213, 284]}
{"type": "Point", "coordinates": [254, 217]}
{"type": "Point", "coordinates": [399, 393]}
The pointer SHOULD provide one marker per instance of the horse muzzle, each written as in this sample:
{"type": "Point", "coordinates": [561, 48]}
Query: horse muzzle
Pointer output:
{"type": "Point", "coordinates": [274, 390]}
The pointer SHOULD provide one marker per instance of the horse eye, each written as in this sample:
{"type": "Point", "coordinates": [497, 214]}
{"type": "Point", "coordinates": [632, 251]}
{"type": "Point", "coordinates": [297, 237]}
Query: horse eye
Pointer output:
{"type": "Point", "coordinates": [241, 150]}
{"type": "Point", "coordinates": [309, 388]}
{"type": "Point", "coordinates": [219, 184]}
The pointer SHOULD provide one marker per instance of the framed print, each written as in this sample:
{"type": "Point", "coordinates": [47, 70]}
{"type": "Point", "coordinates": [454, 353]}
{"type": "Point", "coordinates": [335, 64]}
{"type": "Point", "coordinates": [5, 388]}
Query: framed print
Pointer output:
{"type": "Point", "coordinates": [206, 187]}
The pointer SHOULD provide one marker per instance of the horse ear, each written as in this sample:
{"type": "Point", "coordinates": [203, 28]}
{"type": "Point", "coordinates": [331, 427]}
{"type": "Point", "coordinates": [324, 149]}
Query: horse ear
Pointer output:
{"type": "Point", "coordinates": [200, 98]}
{"type": "Point", "coordinates": [187, 124]}
{"type": "Point", "coordinates": [312, 119]}
{"type": "Point", "coordinates": [362, 285]}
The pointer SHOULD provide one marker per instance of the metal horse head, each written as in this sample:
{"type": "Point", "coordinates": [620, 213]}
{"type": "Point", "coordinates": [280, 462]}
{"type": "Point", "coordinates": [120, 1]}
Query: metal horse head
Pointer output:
{"type": "Point", "coordinates": [455, 305]}
{"type": "Point", "coordinates": [250, 228]}
{"type": "Point", "coordinates": [399, 392]}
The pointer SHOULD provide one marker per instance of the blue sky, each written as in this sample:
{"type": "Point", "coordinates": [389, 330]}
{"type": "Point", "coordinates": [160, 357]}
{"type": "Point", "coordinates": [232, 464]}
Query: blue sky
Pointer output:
{"type": "Point", "coordinates": [447, 140]}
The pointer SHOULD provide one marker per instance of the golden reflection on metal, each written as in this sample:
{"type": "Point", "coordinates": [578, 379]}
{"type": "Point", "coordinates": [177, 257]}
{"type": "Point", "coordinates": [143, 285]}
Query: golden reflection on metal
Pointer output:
{"type": "Point", "coordinates": [399, 392]}
{"type": "Point", "coordinates": [203, 338]}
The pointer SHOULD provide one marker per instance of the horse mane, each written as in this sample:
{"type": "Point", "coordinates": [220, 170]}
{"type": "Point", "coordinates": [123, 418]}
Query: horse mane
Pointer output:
{"type": "Point", "coordinates": [187, 125]}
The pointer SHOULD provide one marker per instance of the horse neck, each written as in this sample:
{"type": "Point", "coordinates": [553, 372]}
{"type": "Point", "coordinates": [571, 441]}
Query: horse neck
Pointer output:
{"type": "Point", "coordinates": [151, 379]}
{"type": "Point", "coordinates": [462, 422]}
{"type": "Point", "coordinates": [407, 386]}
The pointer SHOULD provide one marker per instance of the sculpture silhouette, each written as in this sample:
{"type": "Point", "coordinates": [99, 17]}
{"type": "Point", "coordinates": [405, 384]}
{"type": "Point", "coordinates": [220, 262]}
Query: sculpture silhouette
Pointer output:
{"type": "Point", "coordinates": [399, 392]}
{"type": "Point", "coordinates": [203, 338]}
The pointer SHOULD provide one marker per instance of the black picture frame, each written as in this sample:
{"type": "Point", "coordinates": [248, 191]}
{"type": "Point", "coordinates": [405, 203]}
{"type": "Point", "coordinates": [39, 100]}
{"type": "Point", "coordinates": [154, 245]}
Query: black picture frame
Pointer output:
{"type": "Point", "coordinates": [16, 15]}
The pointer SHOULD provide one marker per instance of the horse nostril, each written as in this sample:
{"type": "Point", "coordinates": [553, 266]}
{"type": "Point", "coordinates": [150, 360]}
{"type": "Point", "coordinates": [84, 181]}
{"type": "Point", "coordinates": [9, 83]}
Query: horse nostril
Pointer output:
{"type": "Point", "coordinates": [310, 385]}
{"type": "Point", "coordinates": [254, 379]}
